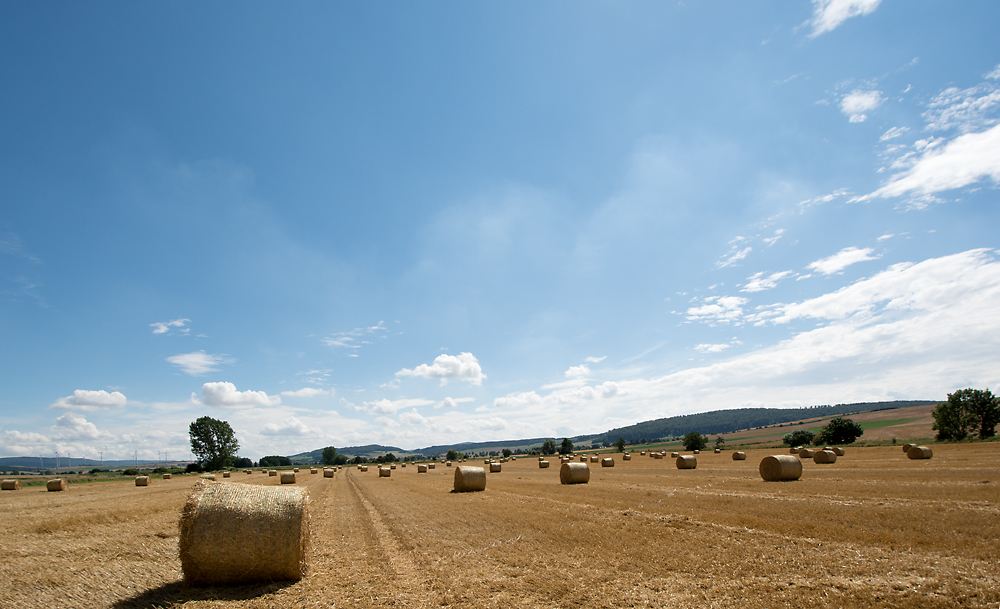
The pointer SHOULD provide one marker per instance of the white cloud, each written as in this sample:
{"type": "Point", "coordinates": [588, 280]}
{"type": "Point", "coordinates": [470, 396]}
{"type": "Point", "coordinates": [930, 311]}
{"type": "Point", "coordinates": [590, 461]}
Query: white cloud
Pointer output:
{"type": "Point", "coordinates": [733, 258]}
{"type": "Point", "coordinates": [596, 360]}
{"type": "Point", "coordinates": [452, 402]}
{"type": "Point", "coordinates": [758, 282]}
{"type": "Point", "coordinates": [89, 401]}
{"type": "Point", "coordinates": [463, 367]}
{"type": "Point", "coordinates": [289, 427]}
{"type": "Point", "coordinates": [72, 426]}
{"type": "Point", "coordinates": [199, 362]}
{"type": "Point", "coordinates": [964, 110]}
{"type": "Point", "coordinates": [828, 14]}
{"type": "Point", "coordinates": [412, 418]}
{"type": "Point", "coordinates": [857, 102]}
{"type": "Point", "coordinates": [711, 348]}
{"type": "Point", "coordinates": [576, 372]}
{"type": "Point", "coordinates": [720, 309]}
{"type": "Point", "coordinates": [162, 327]}
{"type": "Point", "coordinates": [391, 407]}
{"type": "Point", "coordinates": [893, 133]}
{"type": "Point", "coordinates": [349, 339]}
{"type": "Point", "coordinates": [842, 259]}
{"type": "Point", "coordinates": [517, 401]}
{"type": "Point", "coordinates": [307, 392]}
{"type": "Point", "coordinates": [225, 395]}
{"type": "Point", "coordinates": [772, 240]}
{"type": "Point", "coordinates": [825, 198]}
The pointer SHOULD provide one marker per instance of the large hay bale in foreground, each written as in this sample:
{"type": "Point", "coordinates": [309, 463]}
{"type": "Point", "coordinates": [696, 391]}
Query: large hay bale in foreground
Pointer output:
{"type": "Point", "coordinates": [543, 464]}
{"type": "Point", "coordinates": [328, 473]}
{"type": "Point", "coordinates": [384, 472]}
{"type": "Point", "coordinates": [167, 476]}
{"type": "Point", "coordinates": [825, 456]}
{"type": "Point", "coordinates": [10, 485]}
{"type": "Point", "coordinates": [775, 468]}
{"type": "Point", "coordinates": [288, 477]}
{"type": "Point", "coordinates": [838, 451]}
{"type": "Point", "coordinates": [574, 473]}
{"type": "Point", "coordinates": [59, 484]}
{"type": "Point", "coordinates": [806, 453]}
{"type": "Point", "coordinates": [687, 462]}
{"type": "Point", "coordinates": [421, 468]}
{"type": "Point", "coordinates": [919, 452]}
{"type": "Point", "coordinates": [142, 480]}
{"type": "Point", "coordinates": [607, 462]}
{"type": "Point", "coordinates": [495, 468]}
{"type": "Point", "coordinates": [469, 478]}
{"type": "Point", "coordinates": [239, 533]}
{"type": "Point", "coordinates": [739, 456]}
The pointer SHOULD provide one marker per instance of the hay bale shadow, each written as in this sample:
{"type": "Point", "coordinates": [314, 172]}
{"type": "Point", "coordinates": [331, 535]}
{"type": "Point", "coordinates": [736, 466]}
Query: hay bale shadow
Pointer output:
{"type": "Point", "coordinates": [178, 593]}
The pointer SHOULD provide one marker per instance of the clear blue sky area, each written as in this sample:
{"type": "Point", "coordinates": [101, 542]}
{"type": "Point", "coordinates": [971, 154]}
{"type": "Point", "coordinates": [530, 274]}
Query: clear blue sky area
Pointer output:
{"type": "Point", "coordinates": [421, 223]}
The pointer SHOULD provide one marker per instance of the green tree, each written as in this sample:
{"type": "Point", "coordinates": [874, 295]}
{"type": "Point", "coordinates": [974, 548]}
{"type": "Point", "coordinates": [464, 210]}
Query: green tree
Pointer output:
{"type": "Point", "coordinates": [620, 444]}
{"type": "Point", "coordinates": [213, 442]}
{"type": "Point", "coordinates": [329, 455]}
{"type": "Point", "coordinates": [839, 431]}
{"type": "Point", "coordinates": [801, 437]}
{"type": "Point", "coordinates": [566, 447]}
{"type": "Point", "coordinates": [507, 453]}
{"type": "Point", "coordinates": [452, 455]}
{"type": "Point", "coordinates": [242, 463]}
{"type": "Point", "coordinates": [549, 447]}
{"type": "Point", "coordinates": [967, 412]}
{"type": "Point", "coordinates": [694, 441]}
{"type": "Point", "coordinates": [275, 461]}
{"type": "Point", "coordinates": [720, 443]}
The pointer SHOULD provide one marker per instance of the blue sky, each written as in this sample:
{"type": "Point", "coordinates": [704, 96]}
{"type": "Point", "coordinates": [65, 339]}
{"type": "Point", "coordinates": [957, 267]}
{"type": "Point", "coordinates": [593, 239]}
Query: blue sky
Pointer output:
{"type": "Point", "coordinates": [410, 224]}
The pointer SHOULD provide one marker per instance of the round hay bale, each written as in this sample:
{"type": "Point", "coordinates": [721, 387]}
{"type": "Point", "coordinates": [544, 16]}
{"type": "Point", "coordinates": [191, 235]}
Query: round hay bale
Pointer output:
{"type": "Point", "coordinates": [695, 452]}
{"type": "Point", "coordinates": [10, 485]}
{"type": "Point", "coordinates": [583, 458]}
{"type": "Point", "coordinates": [226, 474]}
{"type": "Point", "coordinates": [328, 473]}
{"type": "Point", "coordinates": [593, 458]}
{"type": "Point", "coordinates": [642, 454]}
{"type": "Point", "coordinates": [403, 465]}
{"type": "Point", "coordinates": [312, 470]}
{"type": "Point", "coordinates": [364, 468]}
{"type": "Point", "coordinates": [288, 477]}
{"type": "Point", "coordinates": [208, 477]}
{"type": "Point", "coordinates": [574, 473]}
{"type": "Point", "coordinates": [447, 463]}
{"type": "Point", "coordinates": [239, 533]}
{"type": "Point", "coordinates": [486, 461]}
{"type": "Point", "coordinates": [543, 464]}
{"type": "Point", "coordinates": [806, 453]}
{"type": "Point", "coordinates": [607, 462]}
{"type": "Point", "coordinates": [838, 451]}
{"type": "Point", "coordinates": [626, 457]}
{"type": "Point", "coordinates": [739, 456]}
{"type": "Point", "coordinates": [794, 450]}
{"type": "Point", "coordinates": [469, 478]}
{"type": "Point", "coordinates": [59, 484]}
{"type": "Point", "coordinates": [780, 467]}
{"type": "Point", "coordinates": [167, 476]}
{"type": "Point", "coordinates": [907, 447]}
{"type": "Point", "coordinates": [825, 456]}
{"type": "Point", "coordinates": [142, 480]}
{"type": "Point", "coordinates": [430, 466]}
{"type": "Point", "coordinates": [421, 469]}
{"type": "Point", "coordinates": [687, 462]}
{"type": "Point", "coordinates": [272, 472]}
{"type": "Point", "coordinates": [718, 450]}
{"type": "Point", "coordinates": [296, 470]}
{"type": "Point", "coordinates": [495, 468]}
{"type": "Point", "coordinates": [674, 455]}
{"type": "Point", "coordinates": [657, 455]}
{"type": "Point", "coordinates": [247, 471]}
{"type": "Point", "coordinates": [384, 472]}
{"type": "Point", "coordinates": [392, 466]}
{"type": "Point", "coordinates": [919, 452]}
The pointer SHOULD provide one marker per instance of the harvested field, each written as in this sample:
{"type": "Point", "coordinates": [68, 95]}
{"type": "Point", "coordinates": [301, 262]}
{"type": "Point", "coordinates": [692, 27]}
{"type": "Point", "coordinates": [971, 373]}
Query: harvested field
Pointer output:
{"type": "Point", "coordinates": [874, 529]}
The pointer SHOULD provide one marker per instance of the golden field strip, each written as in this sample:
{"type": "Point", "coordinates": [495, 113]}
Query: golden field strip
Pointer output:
{"type": "Point", "coordinates": [874, 529]}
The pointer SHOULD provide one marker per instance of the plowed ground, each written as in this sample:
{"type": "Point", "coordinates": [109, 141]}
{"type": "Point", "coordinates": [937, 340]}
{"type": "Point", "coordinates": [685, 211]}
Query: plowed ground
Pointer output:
{"type": "Point", "coordinates": [872, 530]}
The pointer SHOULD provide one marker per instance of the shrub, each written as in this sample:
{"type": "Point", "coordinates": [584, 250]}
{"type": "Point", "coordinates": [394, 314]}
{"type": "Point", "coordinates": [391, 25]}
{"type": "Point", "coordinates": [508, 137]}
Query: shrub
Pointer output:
{"type": "Point", "coordinates": [800, 437]}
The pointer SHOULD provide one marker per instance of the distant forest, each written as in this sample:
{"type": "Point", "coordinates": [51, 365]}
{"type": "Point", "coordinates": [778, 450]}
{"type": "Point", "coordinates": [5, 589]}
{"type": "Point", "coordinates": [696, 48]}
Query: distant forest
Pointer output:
{"type": "Point", "coordinates": [725, 421]}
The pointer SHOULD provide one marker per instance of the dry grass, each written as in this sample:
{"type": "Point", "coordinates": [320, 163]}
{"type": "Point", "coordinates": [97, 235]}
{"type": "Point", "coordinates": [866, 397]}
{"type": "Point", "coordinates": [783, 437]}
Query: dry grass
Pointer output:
{"type": "Point", "coordinates": [875, 529]}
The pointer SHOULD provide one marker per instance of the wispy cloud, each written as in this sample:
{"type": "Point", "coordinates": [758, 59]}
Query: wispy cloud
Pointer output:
{"type": "Point", "coordinates": [718, 309]}
{"type": "Point", "coordinates": [452, 402]}
{"type": "Point", "coordinates": [842, 259]}
{"type": "Point", "coordinates": [307, 392]}
{"type": "Point", "coordinates": [199, 362]}
{"type": "Point", "coordinates": [758, 282]}
{"type": "Point", "coordinates": [828, 14]}
{"type": "Point", "coordinates": [163, 327]}
{"type": "Point", "coordinates": [353, 339]}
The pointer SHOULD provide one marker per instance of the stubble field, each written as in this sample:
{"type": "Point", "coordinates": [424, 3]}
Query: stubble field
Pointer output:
{"type": "Point", "coordinates": [872, 530]}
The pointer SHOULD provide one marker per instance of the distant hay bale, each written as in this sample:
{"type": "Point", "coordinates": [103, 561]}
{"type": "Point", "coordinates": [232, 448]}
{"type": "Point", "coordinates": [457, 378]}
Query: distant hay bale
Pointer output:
{"type": "Point", "coordinates": [364, 468]}
{"type": "Point", "coordinates": [657, 455]}
{"type": "Point", "coordinates": [142, 480]}
{"type": "Point", "coordinates": [695, 452]}
{"type": "Point", "coordinates": [739, 456]}
{"type": "Point", "coordinates": [59, 484]}
{"type": "Point", "coordinates": [226, 475]}
{"type": "Point", "coordinates": [312, 470]}
{"type": "Point", "coordinates": [430, 466]}
{"type": "Point", "coordinates": [626, 457]}
{"type": "Point", "coordinates": [402, 465]}
{"type": "Point", "coordinates": [543, 464]}
{"type": "Point", "coordinates": [288, 477]}
{"type": "Point", "coordinates": [486, 461]}
{"type": "Point", "coordinates": [384, 472]}
{"type": "Point", "coordinates": [574, 473]}
{"type": "Point", "coordinates": [10, 485]}
{"type": "Point", "coordinates": [642, 454]}
{"type": "Point", "coordinates": [167, 476]}
{"type": "Point", "coordinates": [328, 473]}
{"type": "Point", "coordinates": [208, 477]}
{"type": "Point", "coordinates": [718, 450]}
{"type": "Point", "coordinates": [247, 471]}
{"type": "Point", "coordinates": [919, 452]}
{"type": "Point", "coordinates": [838, 451]}
{"type": "Point", "coordinates": [687, 462]}
{"type": "Point", "coordinates": [607, 462]}
{"type": "Point", "coordinates": [583, 458]}
{"type": "Point", "coordinates": [825, 456]}
{"type": "Point", "coordinates": [448, 463]}
{"type": "Point", "coordinates": [392, 466]}
{"type": "Point", "coordinates": [495, 468]}
{"type": "Point", "coordinates": [806, 453]}
{"type": "Point", "coordinates": [674, 455]}
{"type": "Point", "coordinates": [240, 533]}
{"type": "Point", "coordinates": [469, 478]}
{"type": "Point", "coordinates": [794, 450]}
{"type": "Point", "coordinates": [776, 468]}
{"type": "Point", "coordinates": [593, 458]}
{"type": "Point", "coordinates": [907, 447]}
{"type": "Point", "coordinates": [272, 472]}
{"type": "Point", "coordinates": [421, 468]}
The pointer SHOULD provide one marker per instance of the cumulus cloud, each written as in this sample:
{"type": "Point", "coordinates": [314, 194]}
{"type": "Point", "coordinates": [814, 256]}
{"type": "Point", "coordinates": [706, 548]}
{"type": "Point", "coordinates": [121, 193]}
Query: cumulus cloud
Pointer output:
{"type": "Point", "coordinates": [576, 372]}
{"type": "Point", "coordinates": [225, 395]}
{"type": "Point", "coordinates": [412, 418]}
{"type": "Point", "coordinates": [719, 309]}
{"type": "Point", "coordinates": [307, 392]}
{"type": "Point", "coordinates": [855, 104]}
{"type": "Point", "coordinates": [162, 327]}
{"type": "Point", "coordinates": [758, 282]}
{"type": "Point", "coordinates": [289, 427]}
{"type": "Point", "coordinates": [842, 259]}
{"type": "Point", "coordinates": [72, 426]}
{"type": "Point", "coordinates": [199, 362]}
{"type": "Point", "coordinates": [463, 367]}
{"type": "Point", "coordinates": [89, 401]}
{"type": "Point", "coordinates": [452, 402]}
{"type": "Point", "coordinates": [828, 14]}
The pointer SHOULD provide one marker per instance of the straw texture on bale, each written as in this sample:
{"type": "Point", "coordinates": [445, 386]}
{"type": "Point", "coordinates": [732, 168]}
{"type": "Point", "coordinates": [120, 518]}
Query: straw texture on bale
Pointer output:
{"type": "Point", "coordinates": [239, 533]}
{"type": "Point", "coordinates": [739, 456]}
{"type": "Point", "coordinates": [574, 473]}
{"type": "Point", "coordinates": [543, 464]}
{"type": "Point", "coordinates": [142, 480]}
{"type": "Point", "coordinates": [775, 468]}
{"type": "Point", "coordinates": [10, 485]}
{"type": "Point", "coordinates": [272, 472]}
{"type": "Point", "coordinates": [226, 474]}
{"type": "Point", "coordinates": [607, 462]}
{"type": "Point", "coordinates": [469, 478]}
{"type": "Point", "coordinates": [384, 472]}
{"type": "Point", "coordinates": [167, 476]}
{"type": "Point", "coordinates": [495, 468]}
{"type": "Point", "coordinates": [806, 453]}
{"type": "Point", "coordinates": [919, 452]}
{"type": "Point", "coordinates": [838, 451]}
{"type": "Point", "coordinates": [825, 456]}
{"type": "Point", "coordinates": [288, 477]}
{"type": "Point", "coordinates": [208, 476]}
{"type": "Point", "coordinates": [421, 469]}
{"type": "Point", "coordinates": [626, 457]}
{"type": "Point", "coordinates": [328, 473]}
{"type": "Point", "coordinates": [687, 462]}
{"type": "Point", "coordinates": [59, 484]}
{"type": "Point", "coordinates": [430, 466]}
